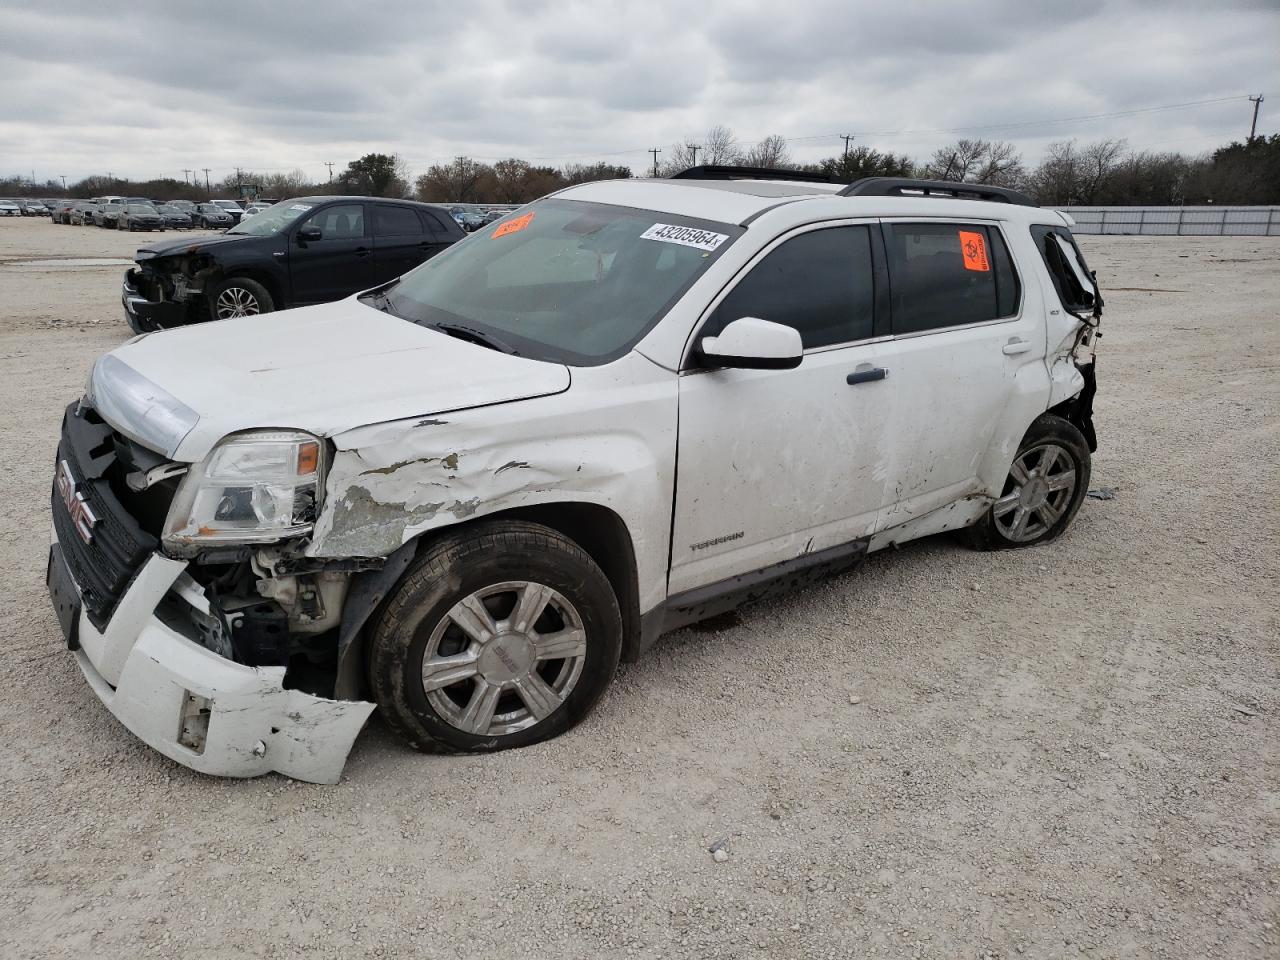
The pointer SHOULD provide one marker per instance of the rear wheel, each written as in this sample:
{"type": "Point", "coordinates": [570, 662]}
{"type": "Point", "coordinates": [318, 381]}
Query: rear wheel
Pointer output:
{"type": "Point", "coordinates": [500, 636]}
{"type": "Point", "coordinates": [239, 297]}
{"type": "Point", "coordinates": [1042, 493]}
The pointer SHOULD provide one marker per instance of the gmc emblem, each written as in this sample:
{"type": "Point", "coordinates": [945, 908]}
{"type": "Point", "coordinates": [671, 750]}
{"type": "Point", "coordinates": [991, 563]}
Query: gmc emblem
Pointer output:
{"type": "Point", "coordinates": [81, 514]}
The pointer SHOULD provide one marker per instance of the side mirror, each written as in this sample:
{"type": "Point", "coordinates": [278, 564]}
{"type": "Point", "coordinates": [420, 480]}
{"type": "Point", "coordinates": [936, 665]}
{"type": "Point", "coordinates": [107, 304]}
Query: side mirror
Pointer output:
{"type": "Point", "coordinates": [310, 233]}
{"type": "Point", "coordinates": [753, 344]}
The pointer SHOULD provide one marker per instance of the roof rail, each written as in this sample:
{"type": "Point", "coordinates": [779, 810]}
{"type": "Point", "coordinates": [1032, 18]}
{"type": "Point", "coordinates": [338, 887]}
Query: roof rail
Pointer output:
{"type": "Point", "coordinates": [719, 172]}
{"type": "Point", "coordinates": [907, 186]}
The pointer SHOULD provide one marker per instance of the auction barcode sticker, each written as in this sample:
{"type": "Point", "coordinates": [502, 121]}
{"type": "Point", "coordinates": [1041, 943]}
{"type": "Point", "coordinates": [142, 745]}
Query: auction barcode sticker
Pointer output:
{"type": "Point", "coordinates": [685, 236]}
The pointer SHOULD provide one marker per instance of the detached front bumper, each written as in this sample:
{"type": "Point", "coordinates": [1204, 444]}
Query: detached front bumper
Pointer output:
{"type": "Point", "coordinates": [144, 315]}
{"type": "Point", "coordinates": [195, 707]}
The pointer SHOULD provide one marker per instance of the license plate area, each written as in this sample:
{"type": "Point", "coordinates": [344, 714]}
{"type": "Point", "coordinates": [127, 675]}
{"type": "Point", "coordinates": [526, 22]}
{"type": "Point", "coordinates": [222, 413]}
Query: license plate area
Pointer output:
{"type": "Point", "coordinates": [65, 596]}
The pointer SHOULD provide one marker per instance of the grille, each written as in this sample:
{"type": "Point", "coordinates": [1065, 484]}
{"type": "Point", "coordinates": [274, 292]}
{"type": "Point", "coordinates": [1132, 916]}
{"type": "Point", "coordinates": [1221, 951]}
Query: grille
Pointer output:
{"type": "Point", "coordinates": [104, 566]}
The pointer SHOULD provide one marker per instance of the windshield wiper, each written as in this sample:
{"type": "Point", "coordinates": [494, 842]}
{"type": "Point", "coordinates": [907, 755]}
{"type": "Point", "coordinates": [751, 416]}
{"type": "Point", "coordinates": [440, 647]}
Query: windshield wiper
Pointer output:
{"type": "Point", "coordinates": [379, 299]}
{"type": "Point", "coordinates": [474, 336]}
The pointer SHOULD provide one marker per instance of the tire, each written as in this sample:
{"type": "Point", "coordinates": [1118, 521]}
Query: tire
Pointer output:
{"type": "Point", "coordinates": [1039, 499]}
{"type": "Point", "coordinates": [239, 297]}
{"type": "Point", "coordinates": [500, 693]}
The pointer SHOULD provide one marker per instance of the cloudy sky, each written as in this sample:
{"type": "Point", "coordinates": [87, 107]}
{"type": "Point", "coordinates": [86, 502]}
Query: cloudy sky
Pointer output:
{"type": "Point", "coordinates": [151, 87]}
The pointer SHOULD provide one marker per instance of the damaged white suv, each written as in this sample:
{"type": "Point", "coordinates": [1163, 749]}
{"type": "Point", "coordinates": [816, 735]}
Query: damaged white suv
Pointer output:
{"type": "Point", "coordinates": [465, 495]}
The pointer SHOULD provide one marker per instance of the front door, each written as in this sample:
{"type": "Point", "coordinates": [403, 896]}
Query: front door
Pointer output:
{"type": "Point", "coordinates": [777, 464]}
{"type": "Point", "coordinates": [337, 265]}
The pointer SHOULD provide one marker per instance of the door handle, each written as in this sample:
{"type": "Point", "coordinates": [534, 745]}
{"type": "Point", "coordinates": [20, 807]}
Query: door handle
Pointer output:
{"type": "Point", "coordinates": [1016, 346]}
{"type": "Point", "coordinates": [363, 251]}
{"type": "Point", "coordinates": [866, 376]}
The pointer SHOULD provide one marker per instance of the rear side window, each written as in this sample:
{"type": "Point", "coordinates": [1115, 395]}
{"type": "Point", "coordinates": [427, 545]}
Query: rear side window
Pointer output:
{"type": "Point", "coordinates": [820, 282]}
{"type": "Point", "coordinates": [395, 222]}
{"type": "Point", "coordinates": [436, 226]}
{"type": "Point", "coordinates": [1066, 267]}
{"type": "Point", "coordinates": [949, 274]}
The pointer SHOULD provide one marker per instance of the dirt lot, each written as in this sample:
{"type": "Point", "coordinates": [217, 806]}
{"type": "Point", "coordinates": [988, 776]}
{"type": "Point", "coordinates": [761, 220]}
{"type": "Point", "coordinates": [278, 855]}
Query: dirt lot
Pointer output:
{"type": "Point", "coordinates": [1060, 752]}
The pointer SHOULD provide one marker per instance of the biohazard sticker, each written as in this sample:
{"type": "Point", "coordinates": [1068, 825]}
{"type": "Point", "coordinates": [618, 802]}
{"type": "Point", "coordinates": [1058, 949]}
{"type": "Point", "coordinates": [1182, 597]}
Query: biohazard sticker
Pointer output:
{"type": "Point", "coordinates": [973, 247]}
{"type": "Point", "coordinates": [513, 226]}
{"type": "Point", "coordinates": [685, 236]}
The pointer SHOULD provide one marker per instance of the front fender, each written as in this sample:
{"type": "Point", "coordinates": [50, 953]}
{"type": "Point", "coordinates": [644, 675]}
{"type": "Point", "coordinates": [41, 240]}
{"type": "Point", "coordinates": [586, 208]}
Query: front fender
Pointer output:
{"type": "Point", "coordinates": [609, 442]}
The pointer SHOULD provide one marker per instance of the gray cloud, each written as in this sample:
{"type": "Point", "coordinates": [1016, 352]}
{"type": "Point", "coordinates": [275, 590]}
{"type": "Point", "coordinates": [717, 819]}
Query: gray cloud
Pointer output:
{"type": "Point", "coordinates": [152, 87]}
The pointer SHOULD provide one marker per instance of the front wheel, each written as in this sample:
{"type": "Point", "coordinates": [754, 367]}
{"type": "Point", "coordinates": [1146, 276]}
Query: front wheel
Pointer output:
{"type": "Point", "coordinates": [239, 297]}
{"type": "Point", "coordinates": [501, 635]}
{"type": "Point", "coordinates": [1042, 493]}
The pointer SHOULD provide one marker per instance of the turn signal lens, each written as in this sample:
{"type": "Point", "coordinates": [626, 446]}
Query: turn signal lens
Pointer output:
{"type": "Point", "coordinates": [308, 458]}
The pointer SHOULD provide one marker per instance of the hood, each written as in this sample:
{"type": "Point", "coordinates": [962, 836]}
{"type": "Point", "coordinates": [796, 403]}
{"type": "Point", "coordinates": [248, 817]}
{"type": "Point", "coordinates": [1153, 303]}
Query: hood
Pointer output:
{"type": "Point", "coordinates": [186, 245]}
{"type": "Point", "coordinates": [323, 369]}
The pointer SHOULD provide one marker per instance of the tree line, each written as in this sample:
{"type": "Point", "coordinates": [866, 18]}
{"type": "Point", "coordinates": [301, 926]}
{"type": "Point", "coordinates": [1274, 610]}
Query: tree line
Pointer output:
{"type": "Point", "coordinates": [1099, 173]}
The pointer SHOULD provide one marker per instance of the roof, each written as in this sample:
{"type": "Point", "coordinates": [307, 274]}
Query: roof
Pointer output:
{"type": "Point", "coordinates": [742, 201]}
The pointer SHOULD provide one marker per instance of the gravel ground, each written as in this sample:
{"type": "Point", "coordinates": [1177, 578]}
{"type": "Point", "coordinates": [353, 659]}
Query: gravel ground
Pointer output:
{"type": "Point", "coordinates": [1060, 752]}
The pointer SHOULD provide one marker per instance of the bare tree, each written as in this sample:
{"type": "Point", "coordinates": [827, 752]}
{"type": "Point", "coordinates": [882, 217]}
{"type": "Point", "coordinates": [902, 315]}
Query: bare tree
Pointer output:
{"type": "Point", "coordinates": [770, 152]}
{"type": "Point", "coordinates": [1100, 161]}
{"type": "Point", "coordinates": [720, 146]}
{"type": "Point", "coordinates": [978, 161]}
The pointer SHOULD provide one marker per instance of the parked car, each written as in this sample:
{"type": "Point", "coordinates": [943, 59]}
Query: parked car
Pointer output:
{"type": "Point", "coordinates": [107, 211]}
{"type": "Point", "coordinates": [60, 210]}
{"type": "Point", "coordinates": [187, 205]}
{"type": "Point", "coordinates": [233, 209]}
{"type": "Point", "coordinates": [253, 208]}
{"type": "Point", "coordinates": [309, 250]}
{"type": "Point", "coordinates": [210, 215]}
{"type": "Point", "coordinates": [468, 493]}
{"type": "Point", "coordinates": [175, 218]}
{"type": "Point", "coordinates": [32, 208]}
{"type": "Point", "coordinates": [81, 213]}
{"type": "Point", "coordinates": [471, 221]}
{"type": "Point", "coordinates": [139, 216]}
{"type": "Point", "coordinates": [9, 208]}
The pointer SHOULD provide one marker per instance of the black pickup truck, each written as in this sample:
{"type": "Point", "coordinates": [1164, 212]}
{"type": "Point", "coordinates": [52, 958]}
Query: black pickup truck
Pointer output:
{"type": "Point", "coordinates": [298, 252]}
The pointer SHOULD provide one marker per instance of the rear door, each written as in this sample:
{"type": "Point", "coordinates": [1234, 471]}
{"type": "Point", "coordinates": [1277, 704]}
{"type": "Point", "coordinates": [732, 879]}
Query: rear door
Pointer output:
{"type": "Point", "coordinates": [337, 265]}
{"type": "Point", "coordinates": [966, 360]}
{"type": "Point", "coordinates": [401, 241]}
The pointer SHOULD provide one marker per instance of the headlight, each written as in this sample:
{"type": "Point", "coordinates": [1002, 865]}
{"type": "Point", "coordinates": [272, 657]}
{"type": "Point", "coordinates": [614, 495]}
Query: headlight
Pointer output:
{"type": "Point", "coordinates": [252, 488]}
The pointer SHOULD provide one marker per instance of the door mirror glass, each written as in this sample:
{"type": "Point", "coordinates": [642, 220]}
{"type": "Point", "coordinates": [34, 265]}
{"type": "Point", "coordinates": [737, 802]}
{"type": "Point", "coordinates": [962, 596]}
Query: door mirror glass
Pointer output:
{"type": "Point", "coordinates": [310, 232]}
{"type": "Point", "coordinates": [753, 344]}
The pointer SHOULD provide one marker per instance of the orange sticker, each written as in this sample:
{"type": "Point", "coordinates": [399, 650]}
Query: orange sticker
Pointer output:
{"type": "Point", "coordinates": [973, 247]}
{"type": "Point", "coordinates": [513, 226]}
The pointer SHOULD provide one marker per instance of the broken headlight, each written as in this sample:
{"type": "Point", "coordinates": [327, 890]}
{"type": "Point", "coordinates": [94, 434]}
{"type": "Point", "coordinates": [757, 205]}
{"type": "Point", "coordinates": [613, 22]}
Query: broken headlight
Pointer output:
{"type": "Point", "coordinates": [252, 488]}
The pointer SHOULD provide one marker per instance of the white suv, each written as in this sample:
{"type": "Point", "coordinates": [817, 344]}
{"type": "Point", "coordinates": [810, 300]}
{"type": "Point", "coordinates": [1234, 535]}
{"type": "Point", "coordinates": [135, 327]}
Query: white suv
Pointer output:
{"type": "Point", "coordinates": [463, 496]}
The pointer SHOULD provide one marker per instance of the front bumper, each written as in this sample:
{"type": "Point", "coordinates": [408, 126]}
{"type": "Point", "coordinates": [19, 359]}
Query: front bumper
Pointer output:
{"type": "Point", "coordinates": [145, 315]}
{"type": "Point", "coordinates": [199, 709]}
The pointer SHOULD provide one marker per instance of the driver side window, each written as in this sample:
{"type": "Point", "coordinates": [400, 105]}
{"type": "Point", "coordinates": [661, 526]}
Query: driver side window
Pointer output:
{"type": "Point", "coordinates": [343, 222]}
{"type": "Point", "coordinates": [820, 282]}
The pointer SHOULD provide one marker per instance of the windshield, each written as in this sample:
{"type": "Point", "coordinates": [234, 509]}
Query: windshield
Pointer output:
{"type": "Point", "coordinates": [565, 280]}
{"type": "Point", "coordinates": [227, 204]}
{"type": "Point", "coordinates": [140, 208]}
{"type": "Point", "coordinates": [271, 219]}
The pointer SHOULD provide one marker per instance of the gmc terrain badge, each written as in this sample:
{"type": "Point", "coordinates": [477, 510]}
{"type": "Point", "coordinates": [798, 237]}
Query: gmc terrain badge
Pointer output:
{"type": "Point", "coordinates": [81, 515]}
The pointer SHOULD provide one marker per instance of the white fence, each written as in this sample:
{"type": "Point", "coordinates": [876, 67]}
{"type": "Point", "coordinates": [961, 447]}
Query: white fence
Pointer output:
{"type": "Point", "coordinates": [1178, 221]}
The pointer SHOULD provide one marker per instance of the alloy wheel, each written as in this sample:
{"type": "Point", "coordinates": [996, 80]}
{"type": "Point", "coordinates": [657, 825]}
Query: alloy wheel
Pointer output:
{"type": "Point", "coordinates": [1038, 491]}
{"type": "Point", "coordinates": [236, 302]}
{"type": "Point", "coordinates": [504, 658]}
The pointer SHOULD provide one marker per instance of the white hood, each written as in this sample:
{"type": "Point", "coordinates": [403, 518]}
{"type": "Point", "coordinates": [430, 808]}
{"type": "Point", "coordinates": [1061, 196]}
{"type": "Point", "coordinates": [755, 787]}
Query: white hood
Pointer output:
{"type": "Point", "coordinates": [322, 369]}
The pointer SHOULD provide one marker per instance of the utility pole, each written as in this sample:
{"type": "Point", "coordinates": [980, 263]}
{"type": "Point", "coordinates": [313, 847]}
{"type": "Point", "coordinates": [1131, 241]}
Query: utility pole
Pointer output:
{"type": "Point", "coordinates": [330, 166]}
{"type": "Point", "coordinates": [206, 177]}
{"type": "Point", "coordinates": [846, 137]}
{"type": "Point", "coordinates": [655, 151]}
{"type": "Point", "coordinates": [1253, 127]}
{"type": "Point", "coordinates": [695, 150]}
{"type": "Point", "coordinates": [186, 175]}
{"type": "Point", "coordinates": [63, 177]}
